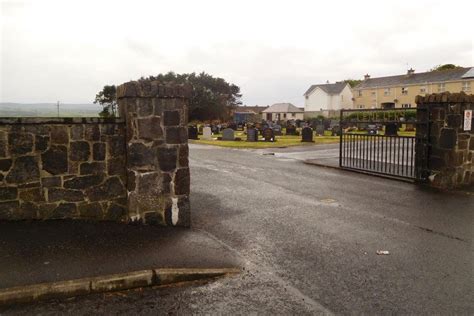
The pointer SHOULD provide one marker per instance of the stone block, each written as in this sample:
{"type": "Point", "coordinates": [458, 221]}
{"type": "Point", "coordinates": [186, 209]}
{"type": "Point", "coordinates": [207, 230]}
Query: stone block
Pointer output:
{"type": "Point", "coordinates": [183, 159]}
{"type": "Point", "coordinates": [8, 193]}
{"type": "Point", "coordinates": [5, 164]}
{"type": "Point", "coordinates": [9, 210]}
{"type": "Point", "coordinates": [149, 128]}
{"type": "Point", "coordinates": [98, 151]}
{"type": "Point", "coordinates": [150, 183]}
{"type": "Point", "coordinates": [55, 160]}
{"type": "Point", "coordinates": [438, 113]}
{"type": "Point", "coordinates": [167, 158]}
{"type": "Point", "coordinates": [92, 132]}
{"type": "Point", "coordinates": [140, 155]}
{"type": "Point", "coordinates": [182, 181]}
{"type": "Point", "coordinates": [90, 210]}
{"type": "Point", "coordinates": [116, 212]}
{"type": "Point", "coordinates": [59, 134]}
{"type": "Point", "coordinates": [20, 143]}
{"type": "Point", "coordinates": [176, 135]}
{"type": "Point", "coordinates": [80, 151]}
{"type": "Point", "coordinates": [116, 146]}
{"type": "Point", "coordinates": [28, 210]}
{"type": "Point", "coordinates": [110, 189]}
{"type": "Point", "coordinates": [171, 118]}
{"type": "Point", "coordinates": [454, 120]}
{"type": "Point", "coordinates": [25, 169]}
{"type": "Point", "coordinates": [64, 210]}
{"type": "Point", "coordinates": [87, 168]}
{"type": "Point", "coordinates": [145, 107]}
{"type": "Point", "coordinates": [77, 132]}
{"type": "Point", "coordinates": [32, 195]}
{"type": "Point", "coordinates": [116, 166]}
{"type": "Point", "coordinates": [56, 194]}
{"type": "Point", "coordinates": [51, 182]}
{"type": "Point", "coordinates": [83, 182]}
{"type": "Point", "coordinates": [41, 143]}
{"type": "Point", "coordinates": [448, 137]}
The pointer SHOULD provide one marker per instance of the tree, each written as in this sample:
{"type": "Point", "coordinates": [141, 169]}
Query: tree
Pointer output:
{"type": "Point", "coordinates": [213, 98]}
{"type": "Point", "coordinates": [108, 99]}
{"type": "Point", "coordinates": [444, 67]}
{"type": "Point", "coordinates": [353, 82]}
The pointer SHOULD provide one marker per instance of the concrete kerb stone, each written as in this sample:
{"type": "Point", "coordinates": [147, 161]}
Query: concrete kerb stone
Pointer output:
{"type": "Point", "coordinates": [108, 283]}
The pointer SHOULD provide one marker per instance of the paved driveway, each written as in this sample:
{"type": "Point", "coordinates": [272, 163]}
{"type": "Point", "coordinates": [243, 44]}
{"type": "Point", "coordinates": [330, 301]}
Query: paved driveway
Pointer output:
{"type": "Point", "coordinates": [309, 237]}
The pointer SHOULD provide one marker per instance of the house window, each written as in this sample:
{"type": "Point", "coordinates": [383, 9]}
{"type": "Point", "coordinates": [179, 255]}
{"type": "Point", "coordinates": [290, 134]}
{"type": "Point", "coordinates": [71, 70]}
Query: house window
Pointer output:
{"type": "Point", "coordinates": [306, 97]}
{"type": "Point", "coordinates": [406, 105]}
{"type": "Point", "coordinates": [423, 89]}
{"type": "Point", "coordinates": [284, 115]}
{"type": "Point", "coordinates": [404, 90]}
{"type": "Point", "coordinates": [373, 93]}
{"type": "Point", "coordinates": [360, 106]}
{"type": "Point", "coordinates": [466, 86]}
{"type": "Point", "coordinates": [359, 93]}
{"type": "Point", "coordinates": [441, 87]}
{"type": "Point", "coordinates": [387, 91]}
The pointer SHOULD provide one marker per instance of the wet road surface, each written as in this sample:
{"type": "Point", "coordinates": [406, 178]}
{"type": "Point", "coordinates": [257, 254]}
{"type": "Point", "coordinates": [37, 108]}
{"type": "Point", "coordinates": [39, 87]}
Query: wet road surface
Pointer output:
{"type": "Point", "coordinates": [309, 237]}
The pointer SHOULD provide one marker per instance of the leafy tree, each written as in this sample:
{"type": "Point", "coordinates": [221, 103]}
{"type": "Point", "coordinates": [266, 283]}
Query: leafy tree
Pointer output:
{"type": "Point", "coordinates": [444, 67]}
{"type": "Point", "coordinates": [108, 99]}
{"type": "Point", "coordinates": [213, 98]}
{"type": "Point", "coordinates": [353, 82]}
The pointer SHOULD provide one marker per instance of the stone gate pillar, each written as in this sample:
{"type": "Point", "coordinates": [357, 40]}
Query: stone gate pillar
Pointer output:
{"type": "Point", "coordinates": [158, 178]}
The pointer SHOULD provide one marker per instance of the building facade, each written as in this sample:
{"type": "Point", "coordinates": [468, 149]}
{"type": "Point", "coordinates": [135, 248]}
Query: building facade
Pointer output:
{"type": "Point", "coordinates": [282, 112]}
{"type": "Point", "coordinates": [327, 99]}
{"type": "Point", "coordinates": [400, 91]}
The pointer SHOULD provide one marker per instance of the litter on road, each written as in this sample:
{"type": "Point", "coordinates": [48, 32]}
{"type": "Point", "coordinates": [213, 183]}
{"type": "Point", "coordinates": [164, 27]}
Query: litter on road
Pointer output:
{"type": "Point", "coordinates": [383, 252]}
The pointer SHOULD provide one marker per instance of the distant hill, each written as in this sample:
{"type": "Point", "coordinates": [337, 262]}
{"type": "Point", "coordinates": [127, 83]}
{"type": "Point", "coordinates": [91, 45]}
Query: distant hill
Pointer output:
{"type": "Point", "coordinates": [48, 109]}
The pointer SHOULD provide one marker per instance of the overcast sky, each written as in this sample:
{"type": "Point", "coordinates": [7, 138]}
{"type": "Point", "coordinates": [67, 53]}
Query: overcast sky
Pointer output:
{"type": "Point", "coordinates": [68, 50]}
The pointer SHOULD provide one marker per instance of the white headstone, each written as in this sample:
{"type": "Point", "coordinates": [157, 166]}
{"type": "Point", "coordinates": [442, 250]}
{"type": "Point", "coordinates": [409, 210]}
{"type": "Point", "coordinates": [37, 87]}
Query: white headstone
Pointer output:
{"type": "Point", "coordinates": [206, 133]}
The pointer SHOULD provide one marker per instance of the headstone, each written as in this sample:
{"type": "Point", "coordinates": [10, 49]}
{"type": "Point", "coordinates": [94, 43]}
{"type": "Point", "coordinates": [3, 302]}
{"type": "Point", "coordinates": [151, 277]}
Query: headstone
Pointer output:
{"type": "Point", "coordinates": [192, 132]}
{"type": "Point", "coordinates": [336, 130]}
{"type": "Point", "coordinates": [252, 135]}
{"type": "Point", "coordinates": [268, 135]}
{"type": "Point", "coordinates": [277, 129]}
{"type": "Point", "coordinates": [409, 127]}
{"type": "Point", "coordinates": [372, 129]}
{"type": "Point", "coordinates": [207, 133]}
{"type": "Point", "coordinates": [290, 130]}
{"type": "Point", "coordinates": [320, 129]}
{"type": "Point", "coordinates": [199, 130]}
{"type": "Point", "coordinates": [391, 129]}
{"type": "Point", "coordinates": [307, 134]}
{"type": "Point", "coordinates": [228, 134]}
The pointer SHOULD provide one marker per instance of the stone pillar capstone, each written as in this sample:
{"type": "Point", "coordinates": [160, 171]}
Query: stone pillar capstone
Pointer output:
{"type": "Point", "coordinates": [158, 178]}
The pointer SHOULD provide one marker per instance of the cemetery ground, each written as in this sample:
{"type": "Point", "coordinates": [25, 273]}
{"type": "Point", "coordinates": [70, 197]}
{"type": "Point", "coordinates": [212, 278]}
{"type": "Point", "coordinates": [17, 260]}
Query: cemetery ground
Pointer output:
{"type": "Point", "coordinates": [308, 237]}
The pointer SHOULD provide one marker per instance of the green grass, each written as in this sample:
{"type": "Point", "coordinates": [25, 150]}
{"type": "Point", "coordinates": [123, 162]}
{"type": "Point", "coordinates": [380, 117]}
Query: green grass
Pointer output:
{"type": "Point", "coordinates": [281, 141]}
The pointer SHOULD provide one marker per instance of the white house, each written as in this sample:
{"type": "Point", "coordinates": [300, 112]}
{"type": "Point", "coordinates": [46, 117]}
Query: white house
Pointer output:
{"type": "Point", "coordinates": [282, 112]}
{"type": "Point", "coordinates": [327, 99]}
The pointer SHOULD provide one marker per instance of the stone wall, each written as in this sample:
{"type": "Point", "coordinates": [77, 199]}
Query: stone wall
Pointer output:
{"type": "Point", "coordinates": [447, 153]}
{"type": "Point", "coordinates": [132, 169]}
{"type": "Point", "coordinates": [157, 151]}
{"type": "Point", "coordinates": [62, 168]}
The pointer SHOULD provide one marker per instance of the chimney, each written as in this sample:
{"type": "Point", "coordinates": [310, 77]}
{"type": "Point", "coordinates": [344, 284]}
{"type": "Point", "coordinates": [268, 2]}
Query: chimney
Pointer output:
{"type": "Point", "coordinates": [367, 77]}
{"type": "Point", "coordinates": [327, 81]}
{"type": "Point", "coordinates": [410, 72]}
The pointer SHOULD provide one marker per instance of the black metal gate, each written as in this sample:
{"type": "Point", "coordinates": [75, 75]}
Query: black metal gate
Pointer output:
{"type": "Point", "coordinates": [379, 141]}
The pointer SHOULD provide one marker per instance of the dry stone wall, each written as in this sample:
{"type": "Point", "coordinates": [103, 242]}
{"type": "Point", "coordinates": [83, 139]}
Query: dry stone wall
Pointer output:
{"type": "Point", "coordinates": [131, 169]}
{"type": "Point", "coordinates": [62, 168]}
{"type": "Point", "coordinates": [449, 149]}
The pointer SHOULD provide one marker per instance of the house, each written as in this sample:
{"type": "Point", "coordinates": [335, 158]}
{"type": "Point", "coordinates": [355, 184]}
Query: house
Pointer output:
{"type": "Point", "coordinates": [400, 91]}
{"type": "Point", "coordinates": [244, 114]}
{"type": "Point", "coordinates": [327, 99]}
{"type": "Point", "coordinates": [282, 112]}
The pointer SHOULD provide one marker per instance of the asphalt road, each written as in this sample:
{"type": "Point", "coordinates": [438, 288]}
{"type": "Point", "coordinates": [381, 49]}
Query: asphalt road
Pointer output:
{"type": "Point", "coordinates": [309, 237]}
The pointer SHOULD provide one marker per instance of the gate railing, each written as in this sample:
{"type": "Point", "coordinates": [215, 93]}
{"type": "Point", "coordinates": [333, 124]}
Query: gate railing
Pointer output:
{"type": "Point", "coordinates": [377, 153]}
